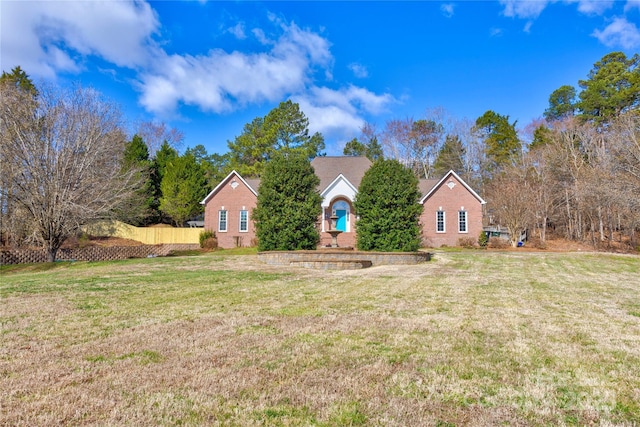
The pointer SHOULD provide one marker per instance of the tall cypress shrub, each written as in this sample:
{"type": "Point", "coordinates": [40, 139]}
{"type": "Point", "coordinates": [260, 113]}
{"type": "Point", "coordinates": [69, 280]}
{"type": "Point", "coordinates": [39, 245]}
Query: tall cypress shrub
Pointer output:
{"type": "Point", "coordinates": [388, 209]}
{"type": "Point", "coordinates": [288, 204]}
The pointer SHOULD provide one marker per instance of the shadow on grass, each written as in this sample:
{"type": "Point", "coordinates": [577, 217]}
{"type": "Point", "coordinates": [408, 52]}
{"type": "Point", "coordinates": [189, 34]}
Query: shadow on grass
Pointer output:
{"type": "Point", "coordinates": [204, 252]}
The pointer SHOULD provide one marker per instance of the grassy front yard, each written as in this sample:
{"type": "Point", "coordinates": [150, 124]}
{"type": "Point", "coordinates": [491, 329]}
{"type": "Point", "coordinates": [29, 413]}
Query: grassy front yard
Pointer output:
{"type": "Point", "coordinates": [471, 338]}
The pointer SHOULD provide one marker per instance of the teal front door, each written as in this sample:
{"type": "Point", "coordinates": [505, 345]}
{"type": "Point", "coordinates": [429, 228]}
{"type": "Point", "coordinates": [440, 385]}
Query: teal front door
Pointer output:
{"type": "Point", "coordinates": [341, 222]}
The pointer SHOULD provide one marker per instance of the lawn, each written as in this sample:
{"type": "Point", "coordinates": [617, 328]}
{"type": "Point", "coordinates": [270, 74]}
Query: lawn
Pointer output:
{"type": "Point", "coordinates": [470, 338]}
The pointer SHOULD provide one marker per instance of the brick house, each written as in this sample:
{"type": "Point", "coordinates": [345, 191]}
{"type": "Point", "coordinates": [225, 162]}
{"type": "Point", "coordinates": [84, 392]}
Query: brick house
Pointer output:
{"type": "Point", "coordinates": [451, 208]}
{"type": "Point", "coordinates": [227, 211]}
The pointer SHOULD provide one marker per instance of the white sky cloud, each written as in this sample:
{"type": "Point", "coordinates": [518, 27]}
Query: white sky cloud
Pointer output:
{"type": "Point", "coordinates": [523, 9]}
{"type": "Point", "coordinates": [359, 70]}
{"type": "Point", "coordinates": [593, 7]}
{"type": "Point", "coordinates": [46, 38]}
{"type": "Point", "coordinates": [50, 39]}
{"type": "Point", "coordinates": [632, 4]}
{"type": "Point", "coordinates": [447, 9]}
{"type": "Point", "coordinates": [222, 81]}
{"type": "Point", "coordinates": [531, 9]}
{"type": "Point", "coordinates": [339, 113]}
{"type": "Point", "coordinates": [238, 31]}
{"type": "Point", "coordinates": [619, 33]}
{"type": "Point", "coordinates": [527, 27]}
{"type": "Point", "coordinates": [332, 121]}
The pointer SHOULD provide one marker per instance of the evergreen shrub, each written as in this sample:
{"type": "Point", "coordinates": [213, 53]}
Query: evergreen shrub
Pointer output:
{"type": "Point", "coordinates": [388, 209]}
{"type": "Point", "coordinates": [288, 204]}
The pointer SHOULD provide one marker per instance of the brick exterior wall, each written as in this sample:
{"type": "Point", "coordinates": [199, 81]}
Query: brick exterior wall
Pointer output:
{"type": "Point", "coordinates": [233, 195]}
{"type": "Point", "coordinates": [450, 199]}
{"type": "Point", "coordinates": [91, 253]}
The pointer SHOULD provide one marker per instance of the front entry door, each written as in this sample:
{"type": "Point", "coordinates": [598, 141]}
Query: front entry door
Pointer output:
{"type": "Point", "coordinates": [341, 222]}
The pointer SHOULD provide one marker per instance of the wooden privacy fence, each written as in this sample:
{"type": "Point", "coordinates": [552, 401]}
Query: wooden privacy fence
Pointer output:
{"type": "Point", "coordinates": [146, 235]}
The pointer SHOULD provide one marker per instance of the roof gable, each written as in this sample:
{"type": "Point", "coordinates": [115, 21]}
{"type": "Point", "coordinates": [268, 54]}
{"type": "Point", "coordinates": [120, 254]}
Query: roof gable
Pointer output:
{"type": "Point", "coordinates": [233, 174]}
{"type": "Point", "coordinates": [339, 187]}
{"type": "Point", "coordinates": [444, 178]}
{"type": "Point", "coordinates": [339, 179]}
{"type": "Point", "coordinates": [329, 168]}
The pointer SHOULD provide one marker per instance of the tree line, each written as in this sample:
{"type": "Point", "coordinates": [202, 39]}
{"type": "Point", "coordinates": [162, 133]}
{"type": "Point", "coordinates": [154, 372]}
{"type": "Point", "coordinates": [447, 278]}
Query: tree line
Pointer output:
{"type": "Point", "coordinates": [66, 159]}
{"type": "Point", "coordinates": [576, 169]}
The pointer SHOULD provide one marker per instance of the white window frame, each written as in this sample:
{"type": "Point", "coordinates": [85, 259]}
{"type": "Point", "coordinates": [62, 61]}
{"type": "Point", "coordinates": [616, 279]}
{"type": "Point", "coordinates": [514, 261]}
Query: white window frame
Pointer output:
{"type": "Point", "coordinates": [444, 221]}
{"type": "Point", "coordinates": [461, 222]}
{"type": "Point", "coordinates": [245, 213]}
{"type": "Point", "coordinates": [222, 221]}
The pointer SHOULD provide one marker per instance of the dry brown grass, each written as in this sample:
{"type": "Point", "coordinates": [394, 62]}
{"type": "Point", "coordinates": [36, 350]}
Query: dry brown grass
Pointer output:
{"type": "Point", "coordinates": [471, 338]}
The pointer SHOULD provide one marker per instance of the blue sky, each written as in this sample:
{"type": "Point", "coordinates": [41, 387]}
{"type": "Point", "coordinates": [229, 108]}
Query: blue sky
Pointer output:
{"type": "Point", "coordinates": [209, 67]}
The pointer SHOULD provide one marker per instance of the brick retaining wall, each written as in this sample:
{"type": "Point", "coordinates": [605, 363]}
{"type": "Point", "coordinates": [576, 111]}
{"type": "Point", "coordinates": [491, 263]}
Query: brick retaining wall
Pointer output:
{"type": "Point", "coordinates": [92, 253]}
{"type": "Point", "coordinates": [376, 258]}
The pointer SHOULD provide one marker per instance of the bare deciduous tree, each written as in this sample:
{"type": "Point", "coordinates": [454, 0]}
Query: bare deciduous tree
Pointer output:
{"type": "Point", "coordinates": [394, 139]}
{"type": "Point", "coordinates": [414, 143]}
{"type": "Point", "coordinates": [156, 133]}
{"type": "Point", "coordinates": [511, 200]}
{"type": "Point", "coordinates": [590, 175]}
{"type": "Point", "coordinates": [62, 153]}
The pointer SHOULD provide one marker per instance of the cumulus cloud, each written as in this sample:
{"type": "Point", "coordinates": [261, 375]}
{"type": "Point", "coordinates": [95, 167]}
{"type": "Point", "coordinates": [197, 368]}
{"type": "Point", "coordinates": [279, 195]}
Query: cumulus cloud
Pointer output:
{"type": "Point", "coordinates": [632, 4]}
{"type": "Point", "coordinates": [221, 81]}
{"type": "Point", "coordinates": [340, 113]}
{"type": "Point", "coordinates": [447, 9]}
{"type": "Point", "coordinates": [51, 38]}
{"type": "Point", "coordinates": [523, 9]}
{"type": "Point", "coordinates": [238, 31]}
{"type": "Point", "coordinates": [353, 97]}
{"type": "Point", "coordinates": [359, 70]}
{"type": "Point", "coordinates": [261, 36]}
{"type": "Point", "coordinates": [331, 121]}
{"type": "Point", "coordinates": [619, 33]}
{"type": "Point", "coordinates": [296, 41]}
{"type": "Point", "coordinates": [593, 7]}
{"type": "Point", "coordinates": [531, 9]}
{"type": "Point", "coordinates": [47, 38]}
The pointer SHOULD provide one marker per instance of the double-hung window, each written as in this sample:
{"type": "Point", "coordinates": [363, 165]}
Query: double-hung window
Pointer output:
{"type": "Point", "coordinates": [244, 221]}
{"type": "Point", "coordinates": [222, 220]}
{"type": "Point", "coordinates": [440, 225]}
{"type": "Point", "coordinates": [462, 221]}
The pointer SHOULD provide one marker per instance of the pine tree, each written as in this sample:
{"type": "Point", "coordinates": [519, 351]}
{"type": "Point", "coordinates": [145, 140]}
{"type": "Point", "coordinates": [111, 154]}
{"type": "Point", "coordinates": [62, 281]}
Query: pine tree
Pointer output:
{"type": "Point", "coordinates": [450, 156]}
{"type": "Point", "coordinates": [183, 187]}
{"type": "Point", "coordinates": [143, 207]}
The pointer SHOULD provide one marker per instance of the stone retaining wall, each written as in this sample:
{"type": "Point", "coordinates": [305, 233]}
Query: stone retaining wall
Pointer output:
{"type": "Point", "coordinates": [376, 258]}
{"type": "Point", "coordinates": [92, 253]}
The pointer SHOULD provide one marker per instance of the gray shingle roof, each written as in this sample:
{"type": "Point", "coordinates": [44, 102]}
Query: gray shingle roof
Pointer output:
{"type": "Point", "coordinates": [425, 185]}
{"type": "Point", "coordinates": [253, 183]}
{"type": "Point", "coordinates": [328, 168]}
{"type": "Point", "coordinates": [352, 168]}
